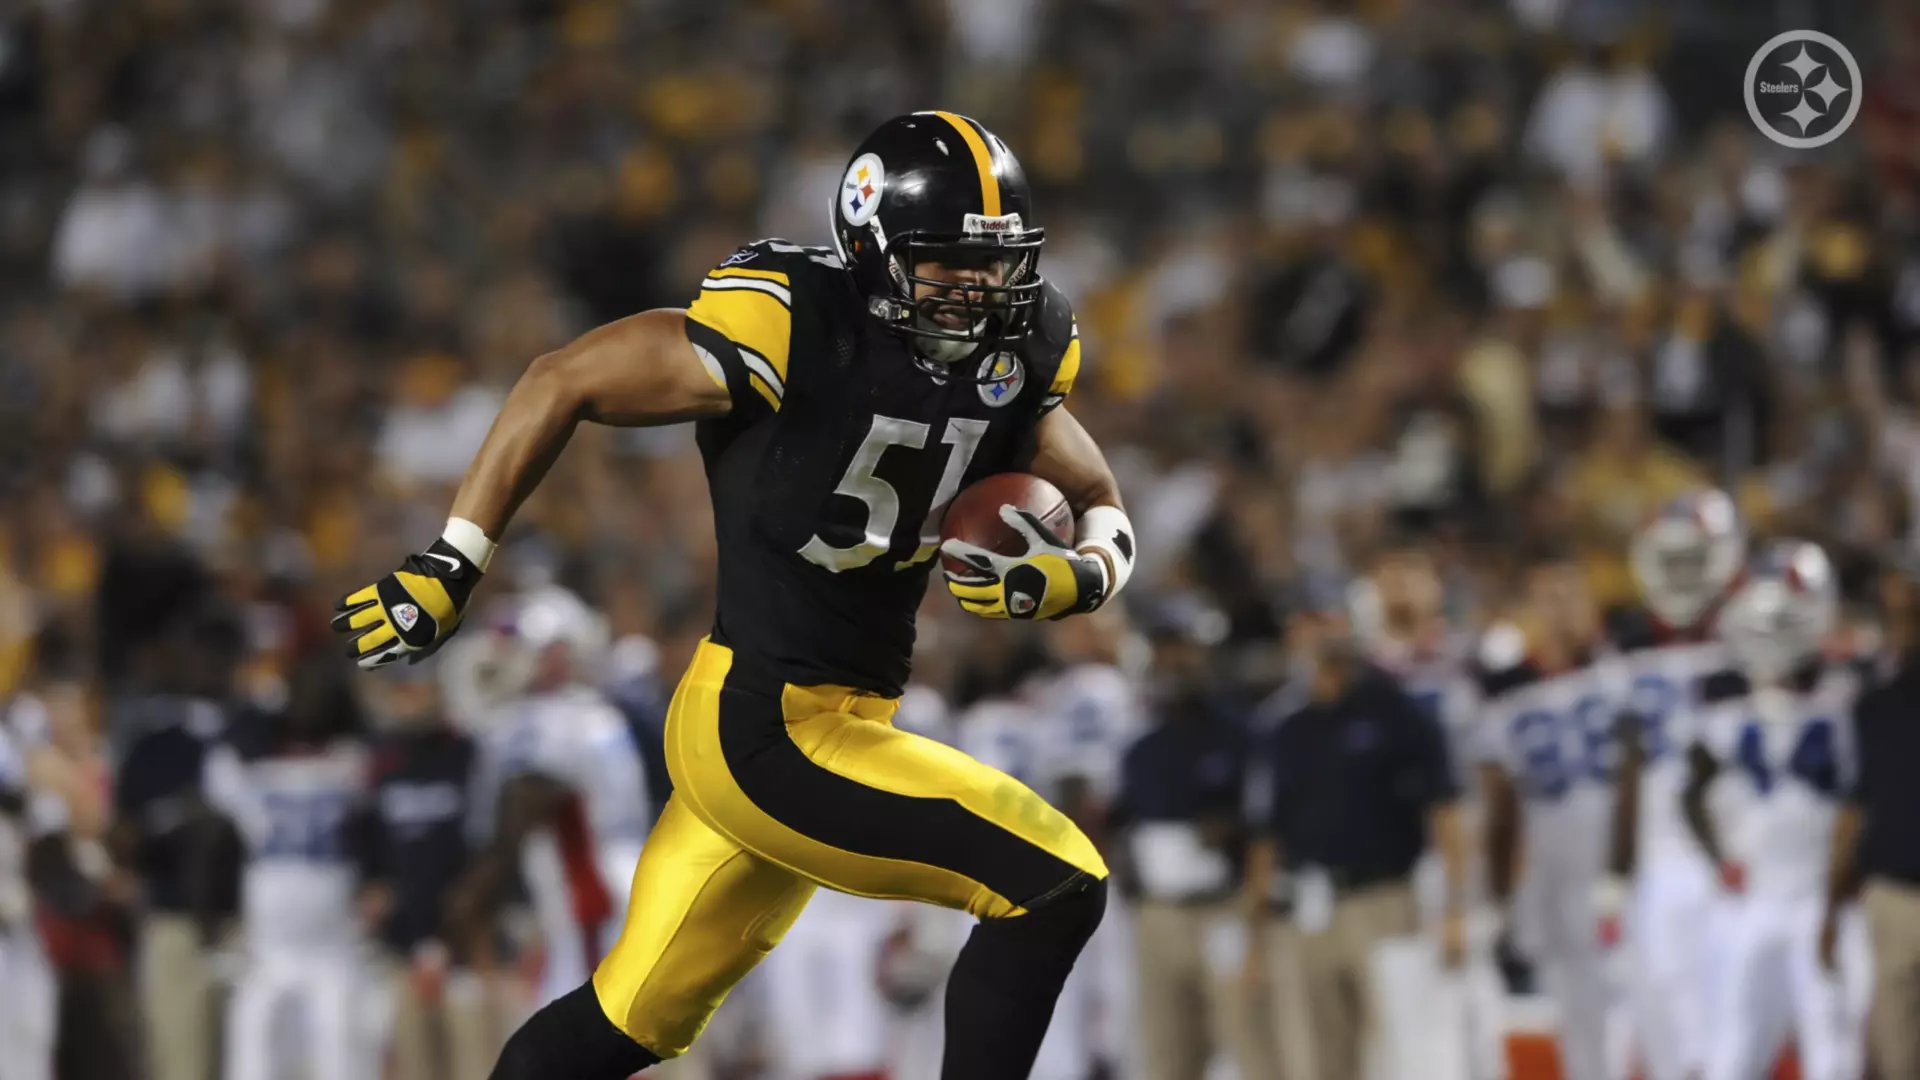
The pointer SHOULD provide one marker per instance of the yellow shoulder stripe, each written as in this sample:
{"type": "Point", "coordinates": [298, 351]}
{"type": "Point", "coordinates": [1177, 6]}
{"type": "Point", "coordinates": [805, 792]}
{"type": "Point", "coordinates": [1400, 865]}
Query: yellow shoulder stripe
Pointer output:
{"type": "Point", "coordinates": [982, 160]}
{"type": "Point", "coordinates": [749, 318]}
{"type": "Point", "coordinates": [1069, 368]}
{"type": "Point", "coordinates": [760, 387]}
{"type": "Point", "coordinates": [749, 272]}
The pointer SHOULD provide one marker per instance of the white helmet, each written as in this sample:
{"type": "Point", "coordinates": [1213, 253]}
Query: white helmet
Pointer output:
{"type": "Point", "coordinates": [1780, 617]}
{"type": "Point", "coordinates": [525, 627]}
{"type": "Point", "coordinates": [1685, 558]}
{"type": "Point", "coordinates": [474, 670]}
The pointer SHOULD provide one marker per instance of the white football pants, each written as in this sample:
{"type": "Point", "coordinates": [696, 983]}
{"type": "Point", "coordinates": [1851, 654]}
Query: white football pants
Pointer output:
{"type": "Point", "coordinates": [1771, 984]}
{"type": "Point", "coordinates": [309, 999]}
{"type": "Point", "coordinates": [1670, 940]}
{"type": "Point", "coordinates": [29, 1007]}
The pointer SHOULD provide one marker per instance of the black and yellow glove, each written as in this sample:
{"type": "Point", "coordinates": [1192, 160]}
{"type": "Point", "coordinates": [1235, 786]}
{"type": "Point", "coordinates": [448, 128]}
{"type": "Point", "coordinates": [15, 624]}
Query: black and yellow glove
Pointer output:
{"type": "Point", "coordinates": [410, 612]}
{"type": "Point", "coordinates": [1050, 581]}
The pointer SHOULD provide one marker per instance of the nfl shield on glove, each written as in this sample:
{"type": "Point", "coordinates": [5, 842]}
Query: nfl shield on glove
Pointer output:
{"type": "Point", "coordinates": [414, 610]}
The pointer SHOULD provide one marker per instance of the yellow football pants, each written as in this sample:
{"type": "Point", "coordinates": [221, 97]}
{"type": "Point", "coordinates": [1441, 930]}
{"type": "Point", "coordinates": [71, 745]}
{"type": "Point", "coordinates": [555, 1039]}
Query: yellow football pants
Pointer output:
{"type": "Point", "coordinates": [781, 788]}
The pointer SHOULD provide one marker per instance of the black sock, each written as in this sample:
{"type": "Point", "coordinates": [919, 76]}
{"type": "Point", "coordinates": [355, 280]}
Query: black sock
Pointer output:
{"type": "Point", "coordinates": [571, 1039]}
{"type": "Point", "coordinates": [1001, 993]}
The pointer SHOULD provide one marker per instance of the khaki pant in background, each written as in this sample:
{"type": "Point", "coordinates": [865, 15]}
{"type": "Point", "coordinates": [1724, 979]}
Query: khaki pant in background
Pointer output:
{"type": "Point", "coordinates": [1893, 925]}
{"type": "Point", "coordinates": [176, 998]}
{"type": "Point", "coordinates": [457, 1036]}
{"type": "Point", "coordinates": [1287, 1004]}
{"type": "Point", "coordinates": [1190, 1005]}
{"type": "Point", "coordinates": [1337, 974]}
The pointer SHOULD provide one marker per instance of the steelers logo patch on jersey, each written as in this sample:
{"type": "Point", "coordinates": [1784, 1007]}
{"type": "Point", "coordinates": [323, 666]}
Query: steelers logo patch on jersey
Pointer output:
{"type": "Point", "coordinates": [1001, 377]}
{"type": "Point", "coordinates": [860, 190]}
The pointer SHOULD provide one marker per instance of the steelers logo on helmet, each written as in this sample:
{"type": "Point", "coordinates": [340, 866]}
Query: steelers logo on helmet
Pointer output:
{"type": "Point", "coordinates": [860, 189]}
{"type": "Point", "coordinates": [1001, 377]}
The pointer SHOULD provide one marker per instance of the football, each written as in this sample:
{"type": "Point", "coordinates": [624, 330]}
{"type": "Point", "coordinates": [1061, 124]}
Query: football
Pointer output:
{"type": "Point", "coordinates": [974, 516]}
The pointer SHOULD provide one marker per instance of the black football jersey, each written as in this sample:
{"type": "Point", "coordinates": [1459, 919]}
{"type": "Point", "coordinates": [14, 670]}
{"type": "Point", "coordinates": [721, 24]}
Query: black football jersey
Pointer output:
{"type": "Point", "coordinates": [830, 474]}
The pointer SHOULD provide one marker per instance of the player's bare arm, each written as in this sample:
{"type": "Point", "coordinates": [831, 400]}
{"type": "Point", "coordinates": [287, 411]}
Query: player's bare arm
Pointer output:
{"type": "Point", "coordinates": [1448, 826]}
{"type": "Point", "coordinates": [636, 372]}
{"type": "Point", "coordinates": [1066, 456]}
{"type": "Point", "coordinates": [1503, 832]}
{"type": "Point", "coordinates": [1622, 837]}
{"type": "Point", "coordinates": [1701, 770]}
{"type": "Point", "coordinates": [1843, 877]}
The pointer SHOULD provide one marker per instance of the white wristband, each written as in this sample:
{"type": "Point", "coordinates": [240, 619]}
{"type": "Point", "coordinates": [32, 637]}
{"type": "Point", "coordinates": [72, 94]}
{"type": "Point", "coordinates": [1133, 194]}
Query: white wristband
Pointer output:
{"type": "Point", "coordinates": [1106, 529]}
{"type": "Point", "coordinates": [470, 540]}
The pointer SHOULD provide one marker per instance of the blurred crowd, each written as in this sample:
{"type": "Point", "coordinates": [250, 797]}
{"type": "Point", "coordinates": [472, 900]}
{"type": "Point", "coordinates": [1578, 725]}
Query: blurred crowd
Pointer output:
{"type": "Point", "coordinates": [1494, 275]}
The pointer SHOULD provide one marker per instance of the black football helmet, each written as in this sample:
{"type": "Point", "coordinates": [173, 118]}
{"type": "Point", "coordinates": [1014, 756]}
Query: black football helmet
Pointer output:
{"type": "Point", "coordinates": [936, 187]}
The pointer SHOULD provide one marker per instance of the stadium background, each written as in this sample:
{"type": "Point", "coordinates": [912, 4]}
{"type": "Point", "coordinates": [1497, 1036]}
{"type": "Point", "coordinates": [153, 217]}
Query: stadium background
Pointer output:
{"type": "Point", "coordinates": [1498, 274]}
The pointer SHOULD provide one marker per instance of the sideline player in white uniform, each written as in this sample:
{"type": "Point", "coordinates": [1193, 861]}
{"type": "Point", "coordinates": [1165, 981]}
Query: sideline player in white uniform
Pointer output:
{"type": "Point", "coordinates": [1547, 728]}
{"type": "Point", "coordinates": [1777, 732]}
{"type": "Point", "coordinates": [562, 796]}
{"type": "Point", "coordinates": [1660, 884]}
{"type": "Point", "coordinates": [28, 1008]}
{"type": "Point", "coordinates": [296, 788]}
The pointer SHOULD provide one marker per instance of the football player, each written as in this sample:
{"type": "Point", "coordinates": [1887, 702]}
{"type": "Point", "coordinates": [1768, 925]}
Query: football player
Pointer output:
{"type": "Point", "coordinates": [296, 787]}
{"type": "Point", "coordinates": [1547, 733]}
{"type": "Point", "coordinates": [1777, 727]}
{"type": "Point", "coordinates": [843, 396]}
{"type": "Point", "coordinates": [562, 791]}
{"type": "Point", "coordinates": [1659, 883]}
{"type": "Point", "coordinates": [29, 1019]}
